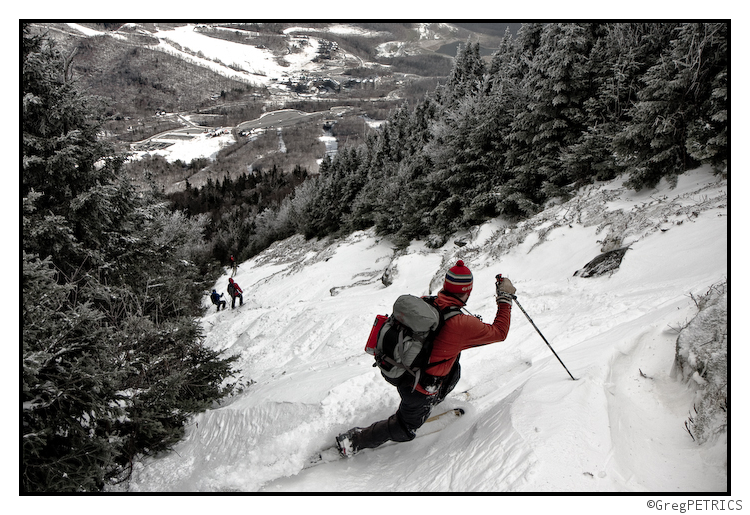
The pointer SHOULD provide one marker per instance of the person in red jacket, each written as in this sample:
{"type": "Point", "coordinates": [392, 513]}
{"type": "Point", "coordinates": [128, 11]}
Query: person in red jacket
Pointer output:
{"type": "Point", "coordinates": [234, 291]}
{"type": "Point", "coordinates": [233, 264]}
{"type": "Point", "coordinates": [459, 333]}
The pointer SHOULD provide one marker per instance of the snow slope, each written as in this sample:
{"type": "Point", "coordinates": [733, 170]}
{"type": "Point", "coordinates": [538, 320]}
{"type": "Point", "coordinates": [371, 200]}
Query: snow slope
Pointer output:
{"type": "Point", "coordinates": [618, 428]}
{"type": "Point", "coordinates": [238, 61]}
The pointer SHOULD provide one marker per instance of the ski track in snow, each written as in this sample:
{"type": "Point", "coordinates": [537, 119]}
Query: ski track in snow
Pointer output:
{"type": "Point", "coordinates": [528, 427]}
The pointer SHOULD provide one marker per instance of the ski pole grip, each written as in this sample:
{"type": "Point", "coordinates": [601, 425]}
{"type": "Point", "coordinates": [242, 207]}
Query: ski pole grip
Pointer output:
{"type": "Point", "coordinates": [499, 278]}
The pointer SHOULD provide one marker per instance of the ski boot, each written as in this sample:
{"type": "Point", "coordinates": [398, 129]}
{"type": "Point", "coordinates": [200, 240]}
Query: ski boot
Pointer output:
{"type": "Point", "coordinates": [345, 443]}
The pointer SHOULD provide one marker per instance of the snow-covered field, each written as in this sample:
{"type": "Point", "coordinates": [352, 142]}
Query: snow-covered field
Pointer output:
{"type": "Point", "coordinates": [619, 428]}
{"type": "Point", "coordinates": [200, 145]}
{"type": "Point", "coordinates": [242, 62]}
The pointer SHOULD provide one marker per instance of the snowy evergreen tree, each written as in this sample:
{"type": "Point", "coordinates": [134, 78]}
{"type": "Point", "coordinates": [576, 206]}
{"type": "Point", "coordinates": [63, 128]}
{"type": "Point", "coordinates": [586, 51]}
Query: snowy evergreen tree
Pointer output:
{"type": "Point", "coordinates": [468, 162]}
{"type": "Point", "coordinates": [70, 380]}
{"type": "Point", "coordinates": [467, 74]}
{"type": "Point", "coordinates": [683, 98]}
{"type": "Point", "coordinates": [619, 57]}
{"type": "Point", "coordinates": [558, 84]}
{"type": "Point", "coordinates": [705, 68]}
{"type": "Point", "coordinates": [112, 359]}
{"type": "Point", "coordinates": [529, 41]}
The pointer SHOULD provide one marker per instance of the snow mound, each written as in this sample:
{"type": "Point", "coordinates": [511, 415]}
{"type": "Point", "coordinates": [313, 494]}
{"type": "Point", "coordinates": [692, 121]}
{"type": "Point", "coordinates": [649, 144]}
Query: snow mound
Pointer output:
{"type": "Point", "coordinates": [701, 361]}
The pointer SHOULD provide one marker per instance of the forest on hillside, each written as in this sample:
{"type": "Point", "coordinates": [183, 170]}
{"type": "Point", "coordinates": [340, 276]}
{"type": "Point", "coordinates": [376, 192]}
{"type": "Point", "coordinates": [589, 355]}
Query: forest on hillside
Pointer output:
{"type": "Point", "coordinates": [556, 107]}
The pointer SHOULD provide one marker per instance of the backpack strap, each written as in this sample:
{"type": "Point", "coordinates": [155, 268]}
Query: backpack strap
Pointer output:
{"type": "Point", "coordinates": [445, 314]}
{"type": "Point", "coordinates": [450, 312]}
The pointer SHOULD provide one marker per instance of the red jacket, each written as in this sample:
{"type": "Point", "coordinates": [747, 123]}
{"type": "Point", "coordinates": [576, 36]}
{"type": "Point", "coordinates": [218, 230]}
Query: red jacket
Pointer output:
{"type": "Point", "coordinates": [464, 332]}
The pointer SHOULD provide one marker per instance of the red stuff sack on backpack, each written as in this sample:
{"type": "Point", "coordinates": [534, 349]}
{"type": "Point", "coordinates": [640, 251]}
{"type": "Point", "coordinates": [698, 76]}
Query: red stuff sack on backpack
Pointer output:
{"type": "Point", "coordinates": [372, 341]}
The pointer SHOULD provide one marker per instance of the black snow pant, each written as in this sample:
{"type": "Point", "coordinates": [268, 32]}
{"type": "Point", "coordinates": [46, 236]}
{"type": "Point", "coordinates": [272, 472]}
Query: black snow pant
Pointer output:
{"type": "Point", "coordinates": [414, 409]}
{"type": "Point", "coordinates": [221, 304]}
{"type": "Point", "coordinates": [239, 295]}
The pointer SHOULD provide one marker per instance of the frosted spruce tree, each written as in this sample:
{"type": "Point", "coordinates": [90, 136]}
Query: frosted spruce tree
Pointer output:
{"type": "Point", "coordinates": [112, 358]}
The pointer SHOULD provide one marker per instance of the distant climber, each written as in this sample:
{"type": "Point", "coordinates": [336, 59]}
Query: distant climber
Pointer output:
{"type": "Point", "coordinates": [216, 299]}
{"type": "Point", "coordinates": [233, 264]}
{"type": "Point", "coordinates": [460, 332]}
{"type": "Point", "coordinates": [234, 291]}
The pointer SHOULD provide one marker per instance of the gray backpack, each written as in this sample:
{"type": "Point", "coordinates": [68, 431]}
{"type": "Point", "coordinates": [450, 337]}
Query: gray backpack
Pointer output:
{"type": "Point", "coordinates": [404, 341]}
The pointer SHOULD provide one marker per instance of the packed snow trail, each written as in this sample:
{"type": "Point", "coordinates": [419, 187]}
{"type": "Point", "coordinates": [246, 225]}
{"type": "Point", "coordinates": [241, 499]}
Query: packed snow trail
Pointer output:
{"type": "Point", "coordinates": [309, 306]}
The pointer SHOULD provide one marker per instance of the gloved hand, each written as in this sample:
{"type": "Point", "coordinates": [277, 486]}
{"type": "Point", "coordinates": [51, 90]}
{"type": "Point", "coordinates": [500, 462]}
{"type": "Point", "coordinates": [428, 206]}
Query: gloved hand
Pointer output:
{"type": "Point", "coordinates": [505, 290]}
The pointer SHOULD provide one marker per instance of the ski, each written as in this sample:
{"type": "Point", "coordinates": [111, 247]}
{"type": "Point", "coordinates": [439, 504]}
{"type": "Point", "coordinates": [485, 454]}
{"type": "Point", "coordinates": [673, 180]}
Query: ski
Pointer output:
{"type": "Point", "coordinates": [438, 422]}
{"type": "Point", "coordinates": [432, 425]}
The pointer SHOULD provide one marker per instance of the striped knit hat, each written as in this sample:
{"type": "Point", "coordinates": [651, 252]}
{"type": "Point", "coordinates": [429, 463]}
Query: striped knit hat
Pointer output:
{"type": "Point", "coordinates": [458, 279]}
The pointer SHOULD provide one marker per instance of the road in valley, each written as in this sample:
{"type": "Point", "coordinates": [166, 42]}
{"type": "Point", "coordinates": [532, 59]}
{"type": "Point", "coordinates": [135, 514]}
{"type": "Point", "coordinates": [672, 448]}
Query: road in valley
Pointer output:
{"type": "Point", "coordinates": [274, 119]}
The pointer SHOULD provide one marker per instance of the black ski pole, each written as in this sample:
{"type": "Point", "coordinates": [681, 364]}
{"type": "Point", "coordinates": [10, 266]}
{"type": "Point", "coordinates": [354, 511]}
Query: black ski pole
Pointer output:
{"type": "Point", "coordinates": [499, 278]}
